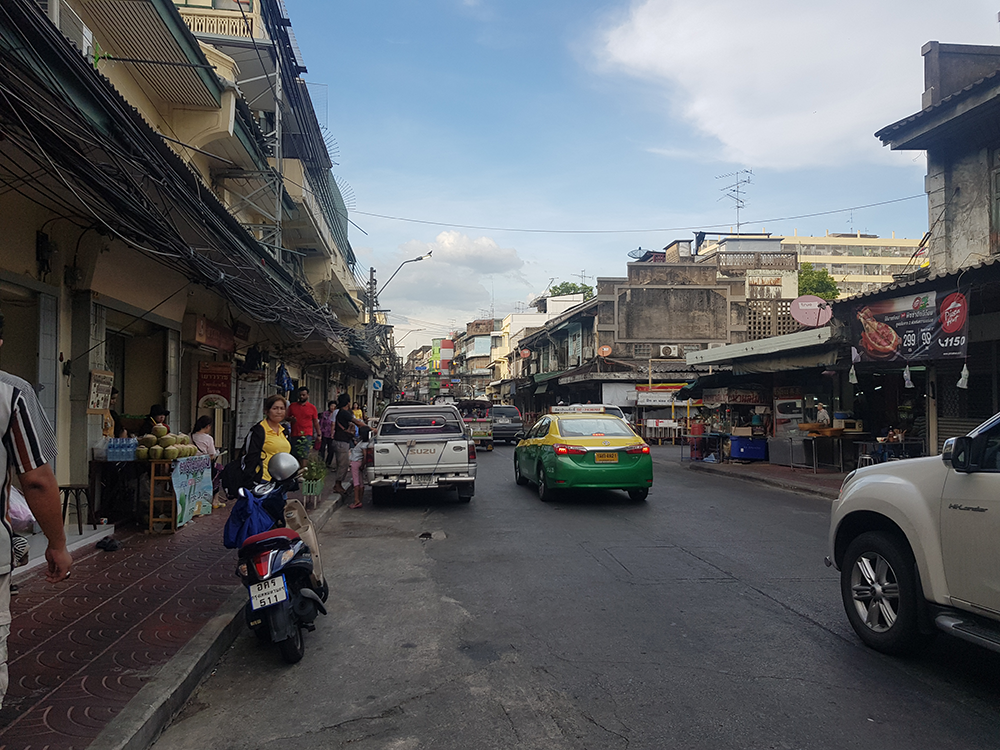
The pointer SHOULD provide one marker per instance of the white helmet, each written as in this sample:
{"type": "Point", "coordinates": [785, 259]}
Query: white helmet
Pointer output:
{"type": "Point", "coordinates": [282, 466]}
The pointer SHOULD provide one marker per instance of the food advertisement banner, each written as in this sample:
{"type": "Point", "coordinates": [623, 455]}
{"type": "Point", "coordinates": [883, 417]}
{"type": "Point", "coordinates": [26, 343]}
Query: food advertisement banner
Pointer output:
{"type": "Point", "coordinates": [215, 385]}
{"type": "Point", "coordinates": [928, 326]}
{"type": "Point", "coordinates": [192, 480]}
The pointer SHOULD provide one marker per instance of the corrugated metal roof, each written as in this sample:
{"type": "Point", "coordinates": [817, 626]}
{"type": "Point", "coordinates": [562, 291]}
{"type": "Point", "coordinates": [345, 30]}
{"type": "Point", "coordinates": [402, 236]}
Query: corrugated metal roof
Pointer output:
{"type": "Point", "coordinates": [892, 288]}
{"type": "Point", "coordinates": [958, 96]}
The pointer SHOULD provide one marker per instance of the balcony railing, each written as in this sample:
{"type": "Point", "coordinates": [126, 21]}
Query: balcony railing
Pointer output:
{"type": "Point", "coordinates": [750, 261]}
{"type": "Point", "coordinates": [224, 19]}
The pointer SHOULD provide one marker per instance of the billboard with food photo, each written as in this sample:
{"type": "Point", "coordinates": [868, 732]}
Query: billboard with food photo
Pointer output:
{"type": "Point", "coordinates": [927, 326]}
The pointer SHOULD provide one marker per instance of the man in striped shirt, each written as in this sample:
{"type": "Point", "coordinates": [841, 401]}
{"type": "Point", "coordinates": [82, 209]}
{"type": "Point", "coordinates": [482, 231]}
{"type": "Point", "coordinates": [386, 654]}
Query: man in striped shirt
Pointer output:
{"type": "Point", "coordinates": [27, 446]}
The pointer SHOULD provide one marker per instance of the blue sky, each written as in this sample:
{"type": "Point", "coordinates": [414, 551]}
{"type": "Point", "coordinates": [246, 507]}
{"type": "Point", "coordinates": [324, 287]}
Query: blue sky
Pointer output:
{"type": "Point", "coordinates": [609, 116]}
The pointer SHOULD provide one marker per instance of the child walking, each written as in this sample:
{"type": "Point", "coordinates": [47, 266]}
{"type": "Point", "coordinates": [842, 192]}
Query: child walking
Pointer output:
{"type": "Point", "coordinates": [357, 464]}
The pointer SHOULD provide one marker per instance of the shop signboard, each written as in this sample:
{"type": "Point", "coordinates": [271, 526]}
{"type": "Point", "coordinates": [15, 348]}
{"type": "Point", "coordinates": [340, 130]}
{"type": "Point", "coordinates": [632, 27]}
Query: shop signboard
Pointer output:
{"type": "Point", "coordinates": [249, 402]}
{"type": "Point", "coordinates": [215, 385]}
{"type": "Point", "coordinates": [100, 391]}
{"type": "Point", "coordinates": [212, 334]}
{"type": "Point", "coordinates": [655, 398]}
{"type": "Point", "coordinates": [926, 326]}
{"type": "Point", "coordinates": [192, 481]}
{"type": "Point", "coordinates": [744, 396]}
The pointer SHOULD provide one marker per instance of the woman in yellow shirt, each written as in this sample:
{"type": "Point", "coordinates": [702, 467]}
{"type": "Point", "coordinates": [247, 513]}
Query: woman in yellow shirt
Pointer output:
{"type": "Point", "coordinates": [264, 440]}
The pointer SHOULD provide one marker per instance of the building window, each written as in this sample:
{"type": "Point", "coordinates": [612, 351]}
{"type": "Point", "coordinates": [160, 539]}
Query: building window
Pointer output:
{"type": "Point", "coordinates": [642, 351]}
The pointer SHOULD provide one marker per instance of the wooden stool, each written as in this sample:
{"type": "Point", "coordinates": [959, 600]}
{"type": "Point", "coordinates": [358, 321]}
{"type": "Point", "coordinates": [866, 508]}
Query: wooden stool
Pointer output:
{"type": "Point", "coordinates": [75, 491]}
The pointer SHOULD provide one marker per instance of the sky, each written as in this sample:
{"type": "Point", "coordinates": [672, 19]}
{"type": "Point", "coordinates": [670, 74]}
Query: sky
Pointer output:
{"type": "Point", "coordinates": [529, 142]}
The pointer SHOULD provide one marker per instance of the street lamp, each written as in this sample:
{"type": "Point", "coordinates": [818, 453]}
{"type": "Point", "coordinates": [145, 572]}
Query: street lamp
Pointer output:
{"type": "Point", "coordinates": [411, 260]}
{"type": "Point", "coordinates": [399, 343]}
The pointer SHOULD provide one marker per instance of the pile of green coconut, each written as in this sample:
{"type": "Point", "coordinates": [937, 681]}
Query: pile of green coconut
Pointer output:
{"type": "Point", "coordinates": [161, 445]}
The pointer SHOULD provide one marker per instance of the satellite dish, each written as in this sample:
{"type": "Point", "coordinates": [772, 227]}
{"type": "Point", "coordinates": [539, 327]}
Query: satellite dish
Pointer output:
{"type": "Point", "coordinates": [604, 351]}
{"type": "Point", "coordinates": [812, 311]}
{"type": "Point", "coordinates": [637, 253]}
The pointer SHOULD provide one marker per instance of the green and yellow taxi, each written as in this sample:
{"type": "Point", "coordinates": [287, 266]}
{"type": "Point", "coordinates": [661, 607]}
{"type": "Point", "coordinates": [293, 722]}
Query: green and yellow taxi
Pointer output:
{"type": "Point", "coordinates": [583, 450]}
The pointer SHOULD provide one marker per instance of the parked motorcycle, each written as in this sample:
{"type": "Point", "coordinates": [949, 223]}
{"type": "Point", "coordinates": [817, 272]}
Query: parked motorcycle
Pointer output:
{"type": "Point", "coordinates": [281, 568]}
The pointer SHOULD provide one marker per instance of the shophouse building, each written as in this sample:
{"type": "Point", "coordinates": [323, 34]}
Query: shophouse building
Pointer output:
{"type": "Point", "coordinates": [173, 226]}
{"type": "Point", "coordinates": [918, 358]}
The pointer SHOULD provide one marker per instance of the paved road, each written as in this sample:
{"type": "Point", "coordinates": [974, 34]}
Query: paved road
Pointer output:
{"type": "Point", "coordinates": [703, 618]}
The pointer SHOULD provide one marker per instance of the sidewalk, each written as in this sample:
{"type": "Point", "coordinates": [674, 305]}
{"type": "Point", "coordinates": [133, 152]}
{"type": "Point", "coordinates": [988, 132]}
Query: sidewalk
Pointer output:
{"type": "Point", "coordinates": [826, 483]}
{"type": "Point", "coordinates": [81, 650]}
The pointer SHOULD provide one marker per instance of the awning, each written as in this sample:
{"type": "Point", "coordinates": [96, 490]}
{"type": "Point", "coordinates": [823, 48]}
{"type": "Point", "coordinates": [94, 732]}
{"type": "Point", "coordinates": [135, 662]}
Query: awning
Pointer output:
{"type": "Point", "coordinates": [805, 361]}
{"type": "Point", "coordinates": [730, 353]}
{"type": "Point", "coordinates": [544, 376]}
{"type": "Point", "coordinates": [541, 389]}
{"type": "Point", "coordinates": [715, 380]}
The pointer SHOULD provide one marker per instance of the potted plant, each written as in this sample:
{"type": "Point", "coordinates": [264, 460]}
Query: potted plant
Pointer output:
{"type": "Point", "coordinates": [312, 480]}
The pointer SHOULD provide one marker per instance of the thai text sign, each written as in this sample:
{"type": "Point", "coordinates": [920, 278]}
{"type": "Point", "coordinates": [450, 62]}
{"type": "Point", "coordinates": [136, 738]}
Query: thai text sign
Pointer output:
{"type": "Point", "coordinates": [215, 385]}
{"type": "Point", "coordinates": [733, 396]}
{"type": "Point", "coordinates": [931, 325]}
{"type": "Point", "coordinates": [192, 481]}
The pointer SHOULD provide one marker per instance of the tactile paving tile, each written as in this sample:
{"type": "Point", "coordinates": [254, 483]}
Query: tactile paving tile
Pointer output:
{"type": "Point", "coordinates": [79, 651]}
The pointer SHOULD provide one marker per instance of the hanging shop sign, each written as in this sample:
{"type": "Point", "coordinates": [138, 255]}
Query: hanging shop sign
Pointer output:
{"type": "Point", "coordinates": [927, 326]}
{"type": "Point", "coordinates": [249, 402]}
{"type": "Point", "coordinates": [99, 400]}
{"type": "Point", "coordinates": [215, 384]}
{"type": "Point", "coordinates": [733, 396]}
{"type": "Point", "coordinates": [212, 334]}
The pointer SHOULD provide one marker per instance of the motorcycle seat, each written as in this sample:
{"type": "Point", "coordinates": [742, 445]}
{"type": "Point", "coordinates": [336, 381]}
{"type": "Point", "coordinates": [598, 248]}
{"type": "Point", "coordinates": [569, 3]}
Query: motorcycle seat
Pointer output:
{"type": "Point", "coordinates": [272, 534]}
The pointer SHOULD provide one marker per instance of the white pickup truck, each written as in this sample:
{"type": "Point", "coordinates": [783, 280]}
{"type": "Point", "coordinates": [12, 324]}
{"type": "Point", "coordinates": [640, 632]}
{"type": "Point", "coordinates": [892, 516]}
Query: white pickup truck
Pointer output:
{"type": "Point", "coordinates": [421, 447]}
{"type": "Point", "coordinates": [917, 544]}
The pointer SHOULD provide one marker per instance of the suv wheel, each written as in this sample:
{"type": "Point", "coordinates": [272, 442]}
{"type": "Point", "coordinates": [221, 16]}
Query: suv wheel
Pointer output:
{"type": "Point", "coordinates": [878, 584]}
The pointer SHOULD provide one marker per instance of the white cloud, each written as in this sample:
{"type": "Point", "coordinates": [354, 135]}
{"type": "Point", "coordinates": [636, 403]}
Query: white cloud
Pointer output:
{"type": "Point", "coordinates": [463, 280]}
{"type": "Point", "coordinates": [481, 255]}
{"type": "Point", "coordinates": [787, 84]}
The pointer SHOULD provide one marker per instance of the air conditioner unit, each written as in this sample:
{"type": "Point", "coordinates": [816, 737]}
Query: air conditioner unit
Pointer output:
{"type": "Point", "coordinates": [670, 350]}
{"type": "Point", "coordinates": [715, 345]}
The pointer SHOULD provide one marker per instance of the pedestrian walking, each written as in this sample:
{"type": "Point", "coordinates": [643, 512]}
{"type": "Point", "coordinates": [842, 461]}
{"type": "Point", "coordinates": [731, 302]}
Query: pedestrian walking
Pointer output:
{"type": "Point", "coordinates": [326, 432]}
{"type": "Point", "coordinates": [343, 439]}
{"type": "Point", "coordinates": [305, 424]}
{"type": "Point", "coordinates": [27, 447]}
{"type": "Point", "coordinates": [358, 464]}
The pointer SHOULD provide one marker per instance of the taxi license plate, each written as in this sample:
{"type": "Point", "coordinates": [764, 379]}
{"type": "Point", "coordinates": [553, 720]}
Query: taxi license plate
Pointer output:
{"type": "Point", "coordinates": [606, 458]}
{"type": "Point", "coordinates": [266, 593]}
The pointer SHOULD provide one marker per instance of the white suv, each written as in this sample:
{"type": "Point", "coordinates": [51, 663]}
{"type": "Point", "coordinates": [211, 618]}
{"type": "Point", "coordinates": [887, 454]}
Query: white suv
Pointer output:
{"type": "Point", "coordinates": [917, 543]}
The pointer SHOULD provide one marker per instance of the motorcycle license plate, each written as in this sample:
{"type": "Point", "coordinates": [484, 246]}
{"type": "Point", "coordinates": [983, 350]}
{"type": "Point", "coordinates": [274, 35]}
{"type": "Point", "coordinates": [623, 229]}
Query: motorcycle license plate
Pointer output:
{"type": "Point", "coordinates": [606, 458]}
{"type": "Point", "coordinates": [266, 593]}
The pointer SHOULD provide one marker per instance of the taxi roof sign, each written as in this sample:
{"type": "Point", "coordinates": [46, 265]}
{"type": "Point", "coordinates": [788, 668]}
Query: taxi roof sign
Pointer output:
{"type": "Point", "coordinates": [578, 409]}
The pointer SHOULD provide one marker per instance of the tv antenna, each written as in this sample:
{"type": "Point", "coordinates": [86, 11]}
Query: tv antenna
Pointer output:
{"type": "Point", "coordinates": [735, 190]}
{"type": "Point", "coordinates": [582, 276]}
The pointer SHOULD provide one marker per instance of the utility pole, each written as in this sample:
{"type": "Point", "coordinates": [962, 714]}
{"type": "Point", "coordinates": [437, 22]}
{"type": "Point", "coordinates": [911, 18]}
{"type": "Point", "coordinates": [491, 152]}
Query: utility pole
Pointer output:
{"type": "Point", "coordinates": [372, 294]}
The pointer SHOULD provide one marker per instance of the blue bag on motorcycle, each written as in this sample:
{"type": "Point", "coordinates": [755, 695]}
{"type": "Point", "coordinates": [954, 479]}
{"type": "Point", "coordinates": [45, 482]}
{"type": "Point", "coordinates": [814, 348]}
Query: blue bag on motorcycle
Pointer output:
{"type": "Point", "coordinates": [247, 518]}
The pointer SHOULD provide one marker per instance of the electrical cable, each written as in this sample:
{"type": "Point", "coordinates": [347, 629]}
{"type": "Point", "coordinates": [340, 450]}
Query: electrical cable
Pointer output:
{"type": "Point", "coordinates": [637, 231]}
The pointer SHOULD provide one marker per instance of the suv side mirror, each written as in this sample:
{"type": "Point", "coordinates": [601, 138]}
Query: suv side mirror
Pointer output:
{"type": "Point", "coordinates": [960, 453]}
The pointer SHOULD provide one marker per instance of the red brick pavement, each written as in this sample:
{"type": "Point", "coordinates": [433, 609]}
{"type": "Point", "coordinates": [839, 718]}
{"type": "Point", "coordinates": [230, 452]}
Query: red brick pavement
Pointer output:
{"type": "Point", "coordinates": [80, 650]}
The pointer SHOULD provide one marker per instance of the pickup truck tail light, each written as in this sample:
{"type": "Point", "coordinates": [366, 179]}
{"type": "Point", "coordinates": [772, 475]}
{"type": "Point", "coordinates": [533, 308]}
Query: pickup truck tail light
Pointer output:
{"type": "Point", "coordinates": [569, 450]}
{"type": "Point", "coordinates": [637, 449]}
{"type": "Point", "coordinates": [472, 451]}
{"type": "Point", "coordinates": [370, 456]}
